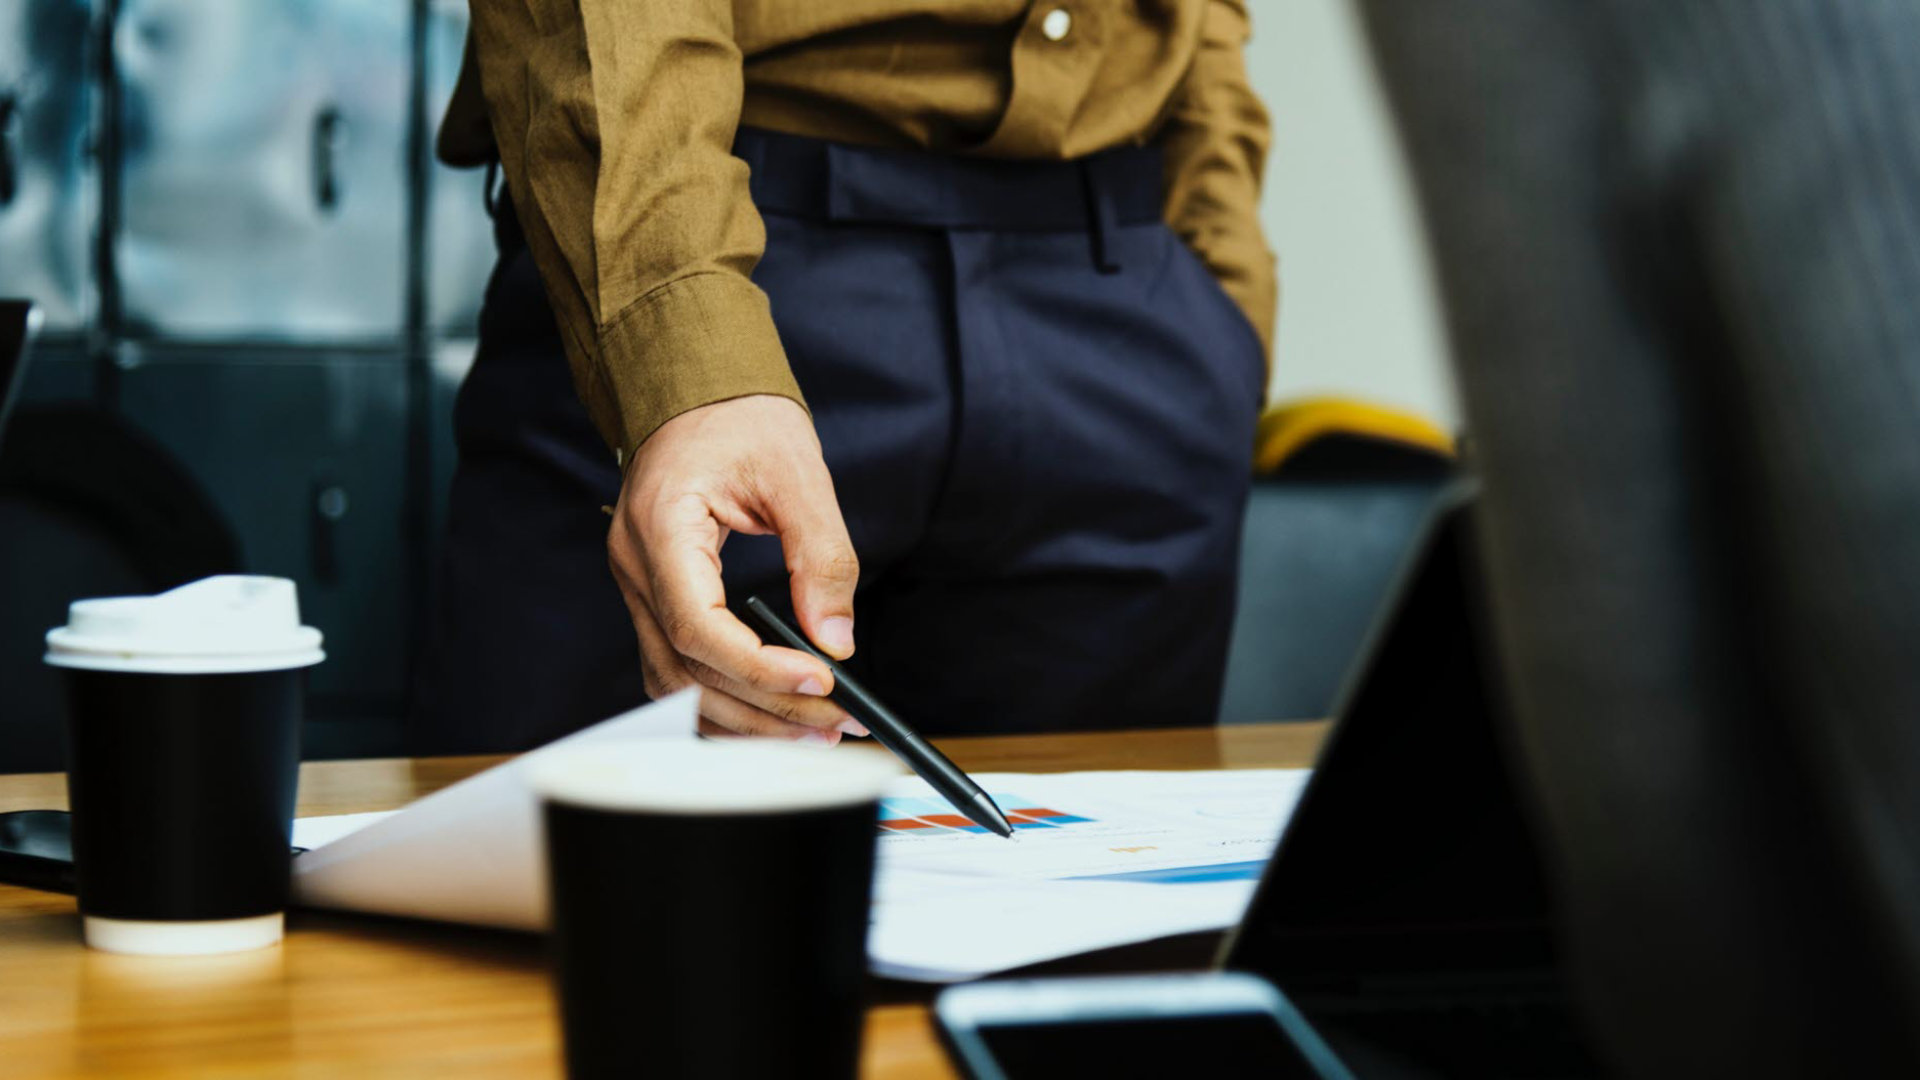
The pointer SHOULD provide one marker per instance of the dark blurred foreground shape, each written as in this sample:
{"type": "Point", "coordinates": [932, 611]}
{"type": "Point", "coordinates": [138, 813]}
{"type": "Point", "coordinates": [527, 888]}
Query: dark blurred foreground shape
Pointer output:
{"type": "Point", "coordinates": [1679, 243]}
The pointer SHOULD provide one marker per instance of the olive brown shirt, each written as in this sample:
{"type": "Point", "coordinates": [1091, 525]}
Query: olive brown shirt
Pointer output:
{"type": "Point", "coordinates": [613, 122]}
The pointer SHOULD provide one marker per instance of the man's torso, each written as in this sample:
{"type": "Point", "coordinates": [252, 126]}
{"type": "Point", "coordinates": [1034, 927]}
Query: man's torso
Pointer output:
{"type": "Point", "coordinates": [1003, 78]}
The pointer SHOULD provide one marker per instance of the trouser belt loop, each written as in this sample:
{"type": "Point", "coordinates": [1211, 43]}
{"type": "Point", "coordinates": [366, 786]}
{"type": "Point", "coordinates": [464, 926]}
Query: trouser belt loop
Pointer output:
{"type": "Point", "coordinates": [1101, 219]}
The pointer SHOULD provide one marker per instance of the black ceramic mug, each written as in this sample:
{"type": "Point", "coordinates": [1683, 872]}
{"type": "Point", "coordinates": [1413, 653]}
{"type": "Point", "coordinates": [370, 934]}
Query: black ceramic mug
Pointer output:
{"type": "Point", "coordinates": [183, 725]}
{"type": "Point", "coordinates": [710, 906]}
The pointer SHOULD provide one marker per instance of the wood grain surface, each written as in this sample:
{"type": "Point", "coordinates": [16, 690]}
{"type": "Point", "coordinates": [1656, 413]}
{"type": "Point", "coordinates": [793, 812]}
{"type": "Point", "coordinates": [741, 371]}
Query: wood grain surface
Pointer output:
{"type": "Point", "coordinates": [349, 996]}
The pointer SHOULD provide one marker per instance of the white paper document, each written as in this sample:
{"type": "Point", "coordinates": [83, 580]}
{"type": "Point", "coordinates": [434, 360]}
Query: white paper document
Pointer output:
{"type": "Point", "coordinates": [1097, 859]}
{"type": "Point", "coordinates": [468, 853]}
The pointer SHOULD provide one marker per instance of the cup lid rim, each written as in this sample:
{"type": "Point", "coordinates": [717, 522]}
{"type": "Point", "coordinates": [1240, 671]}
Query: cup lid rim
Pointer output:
{"type": "Point", "coordinates": [791, 778]}
{"type": "Point", "coordinates": [106, 658]}
{"type": "Point", "coordinates": [224, 622]}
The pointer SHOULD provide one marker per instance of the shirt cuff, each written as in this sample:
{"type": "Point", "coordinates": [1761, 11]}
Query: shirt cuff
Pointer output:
{"type": "Point", "coordinates": [704, 338]}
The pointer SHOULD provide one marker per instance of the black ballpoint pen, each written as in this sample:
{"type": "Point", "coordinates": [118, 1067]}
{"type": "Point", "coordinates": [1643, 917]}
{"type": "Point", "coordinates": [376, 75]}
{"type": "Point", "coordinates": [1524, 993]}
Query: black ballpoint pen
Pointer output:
{"type": "Point", "coordinates": [920, 755]}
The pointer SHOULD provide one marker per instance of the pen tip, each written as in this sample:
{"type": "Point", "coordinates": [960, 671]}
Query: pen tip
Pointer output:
{"type": "Point", "coordinates": [988, 815]}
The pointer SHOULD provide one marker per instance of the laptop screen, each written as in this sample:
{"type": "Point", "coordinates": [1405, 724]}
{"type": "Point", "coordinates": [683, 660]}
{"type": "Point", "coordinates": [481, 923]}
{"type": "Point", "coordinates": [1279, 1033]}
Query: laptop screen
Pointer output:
{"type": "Point", "coordinates": [17, 323]}
{"type": "Point", "coordinates": [1408, 856]}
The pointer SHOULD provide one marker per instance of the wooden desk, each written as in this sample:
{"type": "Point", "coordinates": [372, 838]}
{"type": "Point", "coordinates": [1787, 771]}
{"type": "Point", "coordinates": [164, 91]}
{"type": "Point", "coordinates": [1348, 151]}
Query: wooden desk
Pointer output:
{"type": "Point", "coordinates": [363, 997]}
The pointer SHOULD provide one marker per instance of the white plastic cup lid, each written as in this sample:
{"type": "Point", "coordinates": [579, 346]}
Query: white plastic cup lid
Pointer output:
{"type": "Point", "coordinates": [730, 776]}
{"type": "Point", "coordinates": [230, 623]}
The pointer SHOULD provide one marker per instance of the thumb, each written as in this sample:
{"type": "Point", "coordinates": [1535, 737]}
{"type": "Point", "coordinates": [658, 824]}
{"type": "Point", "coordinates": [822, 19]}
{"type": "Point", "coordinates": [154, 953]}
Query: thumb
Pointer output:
{"type": "Point", "coordinates": [824, 568]}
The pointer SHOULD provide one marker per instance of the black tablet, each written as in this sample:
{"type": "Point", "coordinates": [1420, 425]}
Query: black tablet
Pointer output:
{"type": "Point", "coordinates": [1407, 906]}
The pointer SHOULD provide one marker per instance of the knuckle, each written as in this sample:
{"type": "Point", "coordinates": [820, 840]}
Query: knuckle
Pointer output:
{"type": "Point", "coordinates": [766, 675]}
{"type": "Point", "coordinates": [672, 511]}
{"type": "Point", "coordinates": [787, 709]}
{"type": "Point", "coordinates": [702, 672]}
{"type": "Point", "coordinates": [682, 631]}
{"type": "Point", "coordinates": [771, 722]}
{"type": "Point", "coordinates": [658, 684]}
{"type": "Point", "coordinates": [837, 564]}
{"type": "Point", "coordinates": [750, 721]}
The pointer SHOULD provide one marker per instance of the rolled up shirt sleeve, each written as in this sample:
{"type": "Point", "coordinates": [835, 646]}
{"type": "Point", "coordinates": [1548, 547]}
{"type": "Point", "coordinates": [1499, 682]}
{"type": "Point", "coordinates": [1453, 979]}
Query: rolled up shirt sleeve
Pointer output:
{"type": "Point", "coordinates": [1216, 135]}
{"type": "Point", "coordinates": [614, 122]}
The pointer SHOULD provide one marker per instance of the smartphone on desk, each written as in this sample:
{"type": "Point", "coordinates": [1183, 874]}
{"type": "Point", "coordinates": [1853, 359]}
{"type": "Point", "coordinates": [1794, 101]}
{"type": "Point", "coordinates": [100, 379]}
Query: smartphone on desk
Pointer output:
{"type": "Point", "coordinates": [1217, 1025]}
{"type": "Point", "coordinates": [36, 850]}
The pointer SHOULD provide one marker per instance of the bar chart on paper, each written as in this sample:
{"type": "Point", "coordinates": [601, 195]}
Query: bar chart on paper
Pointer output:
{"type": "Point", "coordinates": [931, 817]}
{"type": "Point", "coordinates": [1096, 859]}
{"type": "Point", "coordinates": [1163, 828]}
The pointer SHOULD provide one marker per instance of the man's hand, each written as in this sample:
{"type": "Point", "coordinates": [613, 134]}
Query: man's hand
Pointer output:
{"type": "Point", "coordinates": [749, 465]}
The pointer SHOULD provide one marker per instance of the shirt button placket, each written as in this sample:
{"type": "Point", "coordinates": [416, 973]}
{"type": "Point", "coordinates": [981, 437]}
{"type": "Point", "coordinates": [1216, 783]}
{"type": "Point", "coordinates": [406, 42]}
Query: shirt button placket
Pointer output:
{"type": "Point", "coordinates": [1055, 58]}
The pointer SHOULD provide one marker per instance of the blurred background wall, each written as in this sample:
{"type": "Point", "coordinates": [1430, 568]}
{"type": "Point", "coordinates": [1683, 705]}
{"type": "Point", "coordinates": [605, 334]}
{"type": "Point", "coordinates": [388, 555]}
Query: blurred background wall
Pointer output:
{"type": "Point", "coordinates": [229, 213]}
{"type": "Point", "coordinates": [1357, 310]}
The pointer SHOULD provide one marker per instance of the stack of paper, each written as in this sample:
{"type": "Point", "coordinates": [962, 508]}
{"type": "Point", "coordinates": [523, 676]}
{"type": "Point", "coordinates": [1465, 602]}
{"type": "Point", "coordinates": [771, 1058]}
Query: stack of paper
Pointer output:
{"type": "Point", "coordinates": [1097, 859]}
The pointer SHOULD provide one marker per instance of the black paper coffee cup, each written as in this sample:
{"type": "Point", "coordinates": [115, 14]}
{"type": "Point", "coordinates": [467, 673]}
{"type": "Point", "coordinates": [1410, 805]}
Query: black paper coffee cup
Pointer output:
{"type": "Point", "coordinates": [710, 906]}
{"type": "Point", "coordinates": [183, 725]}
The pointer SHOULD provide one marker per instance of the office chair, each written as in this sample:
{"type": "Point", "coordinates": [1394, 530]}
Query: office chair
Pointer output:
{"type": "Point", "coordinates": [1679, 245]}
{"type": "Point", "coordinates": [1340, 490]}
{"type": "Point", "coordinates": [89, 506]}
